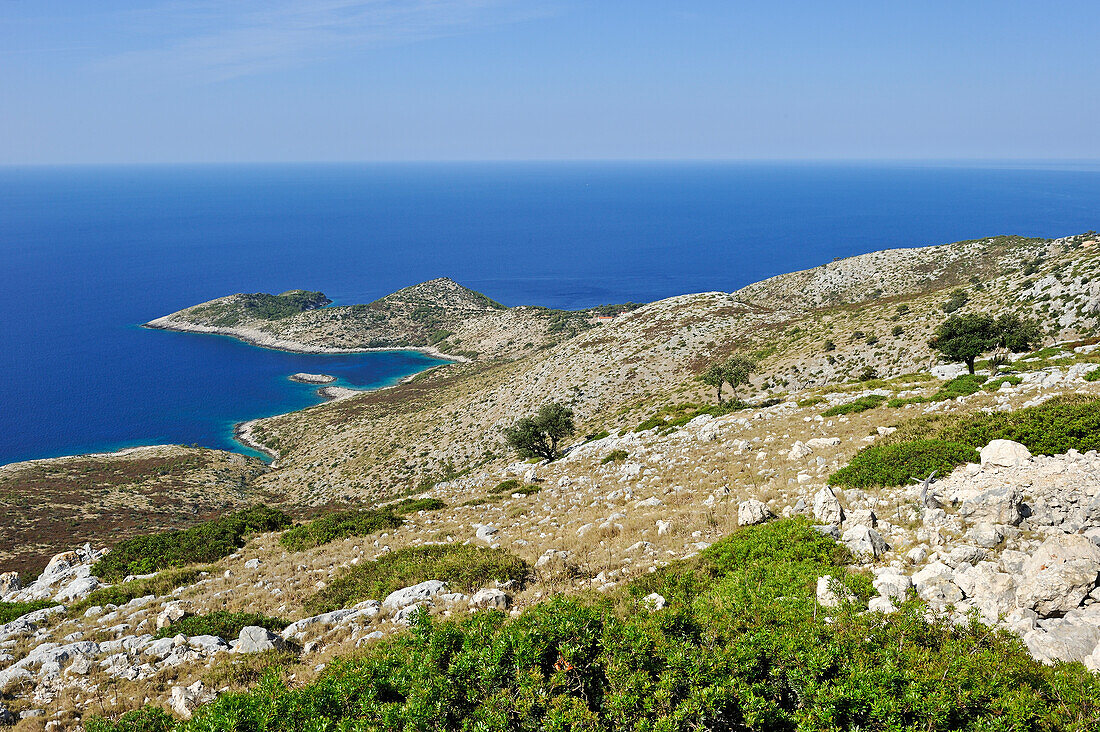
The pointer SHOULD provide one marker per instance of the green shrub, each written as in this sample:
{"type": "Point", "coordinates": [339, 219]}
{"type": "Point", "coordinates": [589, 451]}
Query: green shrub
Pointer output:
{"type": "Point", "coordinates": [859, 405]}
{"type": "Point", "coordinates": [220, 623]}
{"type": "Point", "coordinates": [597, 436]}
{"type": "Point", "coordinates": [811, 401]}
{"type": "Point", "coordinates": [206, 542]}
{"type": "Point", "coordinates": [159, 584]}
{"type": "Point", "coordinates": [897, 464]}
{"type": "Point", "coordinates": [506, 486]}
{"type": "Point", "coordinates": [1048, 429]}
{"type": "Point", "coordinates": [750, 650]}
{"type": "Point", "coordinates": [1093, 375]}
{"type": "Point", "coordinates": [146, 719]}
{"type": "Point", "coordinates": [412, 505]}
{"type": "Point", "coordinates": [614, 456]}
{"type": "Point", "coordinates": [527, 490]}
{"type": "Point", "coordinates": [339, 525]}
{"type": "Point", "coordinates": [996, 383]}
{"type": "Point", "coordinates": [463, 568]}
{"type": "Point", "coordinates": [9, 611]}
{"type": "Point", "coordinates": [898, 402]}
{"type": "Point", "coordinates": [964, 385]}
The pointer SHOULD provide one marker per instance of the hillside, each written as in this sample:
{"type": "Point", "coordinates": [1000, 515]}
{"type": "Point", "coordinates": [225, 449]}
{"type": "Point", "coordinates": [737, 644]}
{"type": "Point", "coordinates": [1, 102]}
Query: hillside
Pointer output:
{"type": "Point", "coordinates": [439, 316]}
{"type": "Point", "coordinates": [674, 563]}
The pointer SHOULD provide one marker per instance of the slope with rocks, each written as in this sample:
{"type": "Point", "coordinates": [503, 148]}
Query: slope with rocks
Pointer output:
{"type": "Point", "coordinates": [390, 442]}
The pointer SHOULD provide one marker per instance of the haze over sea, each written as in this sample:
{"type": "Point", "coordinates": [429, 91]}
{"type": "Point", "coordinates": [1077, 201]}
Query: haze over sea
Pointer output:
{"type": "Point", "coordinates": [91, 252]}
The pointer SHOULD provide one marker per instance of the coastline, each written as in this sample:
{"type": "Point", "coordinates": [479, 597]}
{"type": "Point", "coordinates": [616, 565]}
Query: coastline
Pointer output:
{"type": "Point", "coordinates": [242, 433]}
{"type": "Point", "coordinates": [265, 340]}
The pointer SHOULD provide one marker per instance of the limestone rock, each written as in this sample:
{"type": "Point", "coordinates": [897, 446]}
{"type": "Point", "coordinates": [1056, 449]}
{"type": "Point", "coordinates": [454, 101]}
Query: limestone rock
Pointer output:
{"type": "Point", "coordinates": [185, 699]}
{"type": "Point", "coordinates": [1004, 454]}
{"type": "Point", "coordinates": [490, 597]}
{"type": "Point", "coordinates": [819, 442]}
{"type": "Point", "coordinates": [863, 541]}
{"type": "Point", "coordinates": [827, 508]}
{"type": "Point", "coordinates": [655, 601]}
{"type": "Point", "coordinates": [9, 582]}
{"type": "Point", "coordinates": [799, 450]}
{"type": "Point", "coordinates": [173, 612]}
{"type": "Point", "coordinates": [752, 512]}
{"type": "Point", "coordinates": [830, 593]}
{"type": "Point", "coordinates": [407, 596]}
{"type": "Point", "coordinates": [254, 639]}
{"type": "Point", "coordinates": [996, 506]}
{"type": "Point", "coordinates": [1058, 576]}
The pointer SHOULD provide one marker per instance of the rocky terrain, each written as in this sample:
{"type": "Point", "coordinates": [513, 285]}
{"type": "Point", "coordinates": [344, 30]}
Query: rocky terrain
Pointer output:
{"type": "Point", "coordinates": [46, 503]}
{"type": "Point", "coordinates": [1011, 538]}
{"type": "Point", "coordinates": [440, 317]}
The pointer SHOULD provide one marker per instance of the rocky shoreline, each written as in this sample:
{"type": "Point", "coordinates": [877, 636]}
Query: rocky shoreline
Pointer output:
{"type": "Point", "coordinates": [258, 338]}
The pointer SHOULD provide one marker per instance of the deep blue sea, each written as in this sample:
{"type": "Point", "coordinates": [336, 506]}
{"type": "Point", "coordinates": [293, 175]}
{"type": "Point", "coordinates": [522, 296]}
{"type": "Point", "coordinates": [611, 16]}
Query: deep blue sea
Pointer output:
{"type": "Point", "coordinates": [88, 253]}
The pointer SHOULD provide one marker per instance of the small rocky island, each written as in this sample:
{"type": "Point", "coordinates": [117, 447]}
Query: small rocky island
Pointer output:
{"type": "Point", "coordinates": [303, 378]}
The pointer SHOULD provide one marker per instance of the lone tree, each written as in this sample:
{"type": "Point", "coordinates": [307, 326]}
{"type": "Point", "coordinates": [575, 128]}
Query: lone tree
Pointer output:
{"type": "Point", "coordinates": [714, 376]}
{"type": "Point", "coordinates": [965, 337]}
{"type": "Point", "coordinates": [734, 371]}
{"type": "Point", "coordinates": [538, 436]}
{"type": "Point", "coordinates": [738, 369]}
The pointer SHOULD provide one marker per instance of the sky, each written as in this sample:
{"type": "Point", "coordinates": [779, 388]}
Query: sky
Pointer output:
{"type": "Point", "coordinates": [152, 81]}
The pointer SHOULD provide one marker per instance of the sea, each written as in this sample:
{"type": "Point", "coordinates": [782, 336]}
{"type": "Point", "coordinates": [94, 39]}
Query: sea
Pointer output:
{"type": "Point", "coordinates": [88, 253]}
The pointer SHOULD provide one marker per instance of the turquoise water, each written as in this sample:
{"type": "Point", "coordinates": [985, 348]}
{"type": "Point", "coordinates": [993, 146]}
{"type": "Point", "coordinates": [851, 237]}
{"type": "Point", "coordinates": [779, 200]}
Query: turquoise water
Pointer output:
{"type": "Point", "coordinates": [91, 252]}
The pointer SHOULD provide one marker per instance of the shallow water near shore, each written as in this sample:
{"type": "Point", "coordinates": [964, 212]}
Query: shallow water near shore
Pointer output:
{"type": "Point", "coordinates": [90, 252]}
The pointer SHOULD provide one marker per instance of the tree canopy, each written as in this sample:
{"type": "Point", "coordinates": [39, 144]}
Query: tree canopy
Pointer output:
{"type": "Point", "coordinates": [538, 435]}
{"type": "Point", "coordinates": [965, 337]}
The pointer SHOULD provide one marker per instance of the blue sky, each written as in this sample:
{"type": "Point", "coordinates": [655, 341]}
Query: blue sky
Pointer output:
{"type": "Point", "coordinates": [334, 80]}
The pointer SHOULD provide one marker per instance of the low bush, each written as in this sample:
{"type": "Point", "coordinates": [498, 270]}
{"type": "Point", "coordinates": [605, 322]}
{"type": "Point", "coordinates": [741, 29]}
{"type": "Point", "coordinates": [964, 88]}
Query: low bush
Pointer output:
{"type": "Point", "coordinates": [1093, 375]}
{"type": "Point", "coordinates": [615, 456]}
{"type": "Point", "coordinates": [1048, 429]}
{"type": "Point", "coordinates": [750, 650]}
{"type": "Point", "coordinates": [220, 623]}
{"type": "Point", "coordinates": [811, 401]}
{"type": "Point", "coordinates": [412, 505]}
{"type": "Point", "coordinates": [897, 464]}
{"type": "Point", "coordinates": [995, 384]}
{"type": "Point", "coordinates": [9, 611]}
{"type": "Point", "coordinates": [506, 486]}
{"type": "Point", "coordinates": [463, 568]}
{"type": "Point", "coordinates": [964, 385]}
{"type": "Point", "coordinates": [159, 584]}
{"type": "Point", "coordinates": [859, 405]}
{"type": "Point", "coordinates": [339, 525]}
{"type": "Point", "coordinates": [206, 542]}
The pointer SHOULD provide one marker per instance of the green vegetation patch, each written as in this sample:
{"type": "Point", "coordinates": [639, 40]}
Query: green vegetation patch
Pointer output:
{"type": "Point", "coordinates": [1093, 375]}
{"type": "Point", "coordinates": [339, 525]}
{"type": "Point", "coordinates": [206, 542]}
{"type": "Point", "coordinates": [463, 568]}
{"type": "Point", "coordinates": [898, 464]}
{"type": "Point", "coordinates": [1052, 428]}
{"type": "Point", "coordinates": [261, 306]}
{"type": "Point", "coordinates": [412, 505]}
{"type": "Point", "coordinates": [615, 456]}
{"type": "Point", "coordinates": [220, 623]}
{"type": "Point", "coordinates": [159, 584]}
{"type": "Point", "coordinates": [859, 405]}
{"type": "Point", "coordinates": [748, 649]}
{"type": "Point", "coordinates": [9, 611]}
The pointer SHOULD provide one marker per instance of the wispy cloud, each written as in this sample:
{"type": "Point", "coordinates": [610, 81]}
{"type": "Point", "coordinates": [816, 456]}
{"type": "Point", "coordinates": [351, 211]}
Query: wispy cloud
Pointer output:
{"type": "Point", "coordinates": [208, 41]}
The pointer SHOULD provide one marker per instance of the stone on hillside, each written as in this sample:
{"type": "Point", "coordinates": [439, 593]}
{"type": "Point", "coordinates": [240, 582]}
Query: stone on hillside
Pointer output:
{"type": "Point", "coordinates": [551, 556]}
{"type": "Point", "coordinates": [1063, 641]}
{"type": "Point", "coordinates": [882, 605]}
{"type": "Point", "coordinates": [798, 451]}
{"type": "Point", "coordinates": [819, 442]}
{"type": "Point", "coordinates": [655, 601]}
{"type": "Point", "coordinates": [996, 506]}
{"type": "Point", "coordinates": [863, 541]}
{"type": "Point", "coordinates": [252, 564]}
{"type": "Point", "coordinates": [964, 554]}
{"type": "Point", "coordinates": [1058, 576]}
{"type": "Point", "coordinates": [985, 535]}
{"type": "Point", "coordinates": [486, 533]}
{"type": "Point", "coordinates": [949, 370]}
{"type": "Point", "coordinates": [78, 589]}
{"type": "Point", "coordinates": [490, 597]}
{"type": "Point", "coordinates": [752, 512]}
{"type": "Point", "coordinates": [9, 582]}
{"type": "Point", "coordinates": [1005, 454]}
{"type": "Point", "coordinates": [861, 517]}
{"type": "Point", "coordinates": [663, 527]}
{"type": "Point", "coordinates": [935, 585]}
{"type": "Point", "coordinates": [708, 432]}
{"type": "Point", "coordinates": [892, 584]}
{"type": "Point", "coordinates": [173, 612]}
{"type": "Point", "coordinates": [916, 555]}
{"type": "Point", "coordinates": [254, 639]}
{"type": "Point", "coordinates": [830, 593]}
{"type": "Point", "coordinates": [185, 699]}
{"type": "Point", "coordinates": [6, 717]}
{"type": "Point", "coordinates": [827, 508]}
{"type": "Point", "coordinates": [410, 595]}
{"type": "Point", "coordinates": [993, 593]}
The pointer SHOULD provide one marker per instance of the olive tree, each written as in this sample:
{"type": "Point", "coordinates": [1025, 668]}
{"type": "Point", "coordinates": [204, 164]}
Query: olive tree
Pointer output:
{"type": "Point", "coordinates": [734, 371]}
{"type": "Point", "coordinates": [965, 337]}
{"type": "Point", "coordinates": [539, 435]}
